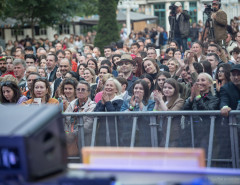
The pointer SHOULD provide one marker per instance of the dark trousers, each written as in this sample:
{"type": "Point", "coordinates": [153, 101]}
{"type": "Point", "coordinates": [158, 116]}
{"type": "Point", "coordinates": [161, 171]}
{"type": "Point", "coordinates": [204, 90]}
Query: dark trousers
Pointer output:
{"type": "Point", "coordinates": [181, 43]}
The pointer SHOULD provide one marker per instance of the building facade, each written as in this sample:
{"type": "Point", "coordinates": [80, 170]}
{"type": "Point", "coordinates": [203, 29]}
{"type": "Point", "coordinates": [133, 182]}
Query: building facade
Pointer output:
{"type": "Point", "coordinates": [160, 8]}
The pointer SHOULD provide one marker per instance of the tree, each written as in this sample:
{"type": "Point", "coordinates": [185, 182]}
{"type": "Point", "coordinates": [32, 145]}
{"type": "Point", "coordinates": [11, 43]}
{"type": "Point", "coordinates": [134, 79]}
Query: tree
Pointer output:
{"type": "Point", "coordinates": [40, 12]}
{"type": "Point", "coordinates": [107, 29]}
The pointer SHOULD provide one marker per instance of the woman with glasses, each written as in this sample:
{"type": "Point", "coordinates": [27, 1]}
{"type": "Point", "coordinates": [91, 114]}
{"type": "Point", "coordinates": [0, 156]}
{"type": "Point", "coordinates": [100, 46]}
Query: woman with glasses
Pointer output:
{"type": "Point", "coordinates": [11, 93]}
{"type": "Point", "coordinates": [41, 93]}
{"type": "Point", "coordinates": [83, 103]}
{"type": "Point", "coordinates": [222, 76]}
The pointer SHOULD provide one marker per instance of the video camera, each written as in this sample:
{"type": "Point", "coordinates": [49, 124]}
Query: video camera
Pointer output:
{"type": "Point", "coordinates": [208, 10]}
{"type": "Point", "coordinates": [173, 8]}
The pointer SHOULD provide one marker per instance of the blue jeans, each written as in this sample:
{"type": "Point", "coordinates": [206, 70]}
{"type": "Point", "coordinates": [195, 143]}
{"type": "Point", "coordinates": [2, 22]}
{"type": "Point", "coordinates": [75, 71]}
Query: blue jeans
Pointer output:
{"type": "Point", "coordinates": [181, 42]}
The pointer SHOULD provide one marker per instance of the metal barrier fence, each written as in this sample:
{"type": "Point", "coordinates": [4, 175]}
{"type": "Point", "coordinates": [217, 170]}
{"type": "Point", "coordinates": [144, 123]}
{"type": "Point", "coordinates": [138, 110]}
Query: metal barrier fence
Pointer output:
{"type": "Point", "coordinates": [206, 129]}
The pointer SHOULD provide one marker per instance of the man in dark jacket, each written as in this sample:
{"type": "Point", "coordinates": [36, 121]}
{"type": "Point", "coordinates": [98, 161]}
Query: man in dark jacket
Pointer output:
{"type": "Point", "coordinates": [126, 67]}
{"type": "Point", "coordinates": [182, 26]}
{"type": "Point", "coordinates": [230, 92]}
{"type": "Point", "coordinates": [219, 23]}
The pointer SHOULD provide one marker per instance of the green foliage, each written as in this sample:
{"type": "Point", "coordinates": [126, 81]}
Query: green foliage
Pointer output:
{"type": "Point", "coordinates": [3, 5]}
{"type": "Point", "coordinates": [87, 7]}
{"type": "Point", "coordinates": [107, 30]}
{"type": "Point", "coordinates": [41, 12]}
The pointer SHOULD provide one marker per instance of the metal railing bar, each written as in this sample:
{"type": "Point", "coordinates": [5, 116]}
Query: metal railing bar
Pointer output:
{"type": "Point", "coordinates": [153, 127]}
{"type": "Point", "coordinates": [108, 142]}
{"type": "Point", "coordinates": [151, 113]}
{"type": "Point", "coordinates": [134, 128]}
{"type": "Point", "coordinates": [232, 141]}
{"type": "Point", "coordinates": [94, 131]}
{"type": "Point", "coordinates": [210, 143]}
{"type": "Point", "coordinates": [169, 122]}
{"type": "Point", "coordinates": [192, 131]}
{"type": "Point", "coordinates": [116, 130]}
{"type": "Point", "coordinates": [235, 136]}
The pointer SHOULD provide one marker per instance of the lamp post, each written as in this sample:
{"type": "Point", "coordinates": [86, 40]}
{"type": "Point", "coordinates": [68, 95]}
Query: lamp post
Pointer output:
{"type": "Point", "coordinates": [128, 5]}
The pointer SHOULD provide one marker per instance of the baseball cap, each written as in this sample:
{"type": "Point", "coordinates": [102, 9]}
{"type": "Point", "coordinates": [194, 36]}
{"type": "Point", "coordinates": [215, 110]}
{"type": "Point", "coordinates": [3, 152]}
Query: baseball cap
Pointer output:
{"type": "Point", "coordinates": [215, 2]}
{"type": "Point", "coordinates": [235, 67]}
{"type": "Point", "coordinates": [178, 4]}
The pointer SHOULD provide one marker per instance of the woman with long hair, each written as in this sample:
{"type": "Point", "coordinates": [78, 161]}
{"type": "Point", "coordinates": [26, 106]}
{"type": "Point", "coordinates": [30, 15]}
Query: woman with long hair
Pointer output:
{"type": "Point", "coordinates": [138, 102]}
{"type": "Point", "coordinates": [90, 77]}
{"type": "Point", "coordinates": [67, 91]}
{"type": "Point", "coordinates": [92, 63]}
{"type": "Point", "coordinates": [41, 93]}
{"type": "Point", "coordinates": [222, 76]}
{"type": "Point", "coordinates": [160, 79]}
{"type": "Point", "coordinates": [137, 68]}
{"type": "Point", "coordinates": [11, 93]}
{"type": "Point", "coordinates": [169, 100]}
{"type": "Point", "coordinates": [150, 67]}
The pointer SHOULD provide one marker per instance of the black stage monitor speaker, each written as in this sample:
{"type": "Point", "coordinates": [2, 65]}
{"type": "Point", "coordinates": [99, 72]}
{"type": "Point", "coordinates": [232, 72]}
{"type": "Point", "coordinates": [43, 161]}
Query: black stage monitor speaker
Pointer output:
{"type": "Point", "coordinates": [32, 141]}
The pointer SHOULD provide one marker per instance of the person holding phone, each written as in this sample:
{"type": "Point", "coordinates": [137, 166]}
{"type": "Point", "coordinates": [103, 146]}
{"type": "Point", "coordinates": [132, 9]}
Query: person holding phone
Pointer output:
{"type": "Point", "coordinates": [41, 93]}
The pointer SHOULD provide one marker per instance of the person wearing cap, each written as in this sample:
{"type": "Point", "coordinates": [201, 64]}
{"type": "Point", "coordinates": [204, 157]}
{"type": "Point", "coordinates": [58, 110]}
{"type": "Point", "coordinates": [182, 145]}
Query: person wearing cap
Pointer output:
{"type": "Point", "coordinates": [219, 18]}
{"type": "Point", "coordinates": [125, 66]}
{"type": "Point", "coordinates": [230, 92]}
{"type": "Point", "coordinates": [182, 26]}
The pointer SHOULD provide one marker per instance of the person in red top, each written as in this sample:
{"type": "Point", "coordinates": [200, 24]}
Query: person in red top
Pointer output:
{"type": "Point", "coordinates": [68, 55]}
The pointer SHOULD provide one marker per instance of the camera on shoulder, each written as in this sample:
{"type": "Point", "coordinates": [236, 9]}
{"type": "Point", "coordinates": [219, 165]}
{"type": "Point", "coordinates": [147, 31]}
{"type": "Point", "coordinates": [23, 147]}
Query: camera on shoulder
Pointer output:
{"type": "Point", "coordinates": [173, 9]}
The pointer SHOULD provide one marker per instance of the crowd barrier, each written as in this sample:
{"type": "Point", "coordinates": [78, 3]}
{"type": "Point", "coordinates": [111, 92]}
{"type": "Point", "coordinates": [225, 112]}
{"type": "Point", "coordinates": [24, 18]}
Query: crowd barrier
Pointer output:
{"type": "Point", "coordinates": [201, 129]}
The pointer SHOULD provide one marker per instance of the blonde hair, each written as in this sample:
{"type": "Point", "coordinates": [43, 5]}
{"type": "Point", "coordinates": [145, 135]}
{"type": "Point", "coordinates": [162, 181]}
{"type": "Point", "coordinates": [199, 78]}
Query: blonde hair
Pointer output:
{"type": "Point", "coordinates": [210, 79]}
{"type": "Point", "coordinates": [175, 61]}
{"type": "Point", "coordinates": [117, 84]}
{"type": "Point", "coordinates": [92, 73]}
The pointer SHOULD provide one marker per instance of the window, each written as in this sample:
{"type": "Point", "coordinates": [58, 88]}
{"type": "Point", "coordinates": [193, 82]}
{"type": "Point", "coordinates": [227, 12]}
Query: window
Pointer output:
{"type": "Point", "coordinates": [193, 12]}
{"type": "Point", "coordinates": [64, 29]}
{"type": "Point", "coordinates": [18, 32]}
{"type": "Point", "coordinates": [40, 31]}
{"type": "Point", "coordinates": [159, 11]}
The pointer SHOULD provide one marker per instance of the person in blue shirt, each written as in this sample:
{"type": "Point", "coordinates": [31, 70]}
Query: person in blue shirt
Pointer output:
{"type": "Point", "coordinates": [138, 102]}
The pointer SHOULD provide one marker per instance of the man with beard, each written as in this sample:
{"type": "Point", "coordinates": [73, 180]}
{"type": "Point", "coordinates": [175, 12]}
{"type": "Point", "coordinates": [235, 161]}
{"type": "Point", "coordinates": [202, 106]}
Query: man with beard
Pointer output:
{"type": "Point", "coordinates": [3, 65]}
{"type": "Point", "coordinates": [126, 67]}
{"type": "Point", "coordinates": [219, 18]}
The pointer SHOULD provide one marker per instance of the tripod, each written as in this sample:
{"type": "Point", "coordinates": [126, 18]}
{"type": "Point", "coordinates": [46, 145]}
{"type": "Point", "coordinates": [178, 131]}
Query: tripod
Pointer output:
{"type": "Point", "coordinates": [209, 25]}
{"type": "Point", "coordinates": [172, 27]}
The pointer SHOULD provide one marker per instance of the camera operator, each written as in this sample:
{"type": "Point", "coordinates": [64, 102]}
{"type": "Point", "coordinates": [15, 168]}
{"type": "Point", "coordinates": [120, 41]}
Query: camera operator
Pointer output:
{"type": "Point", "coordinates": [219, 18]}
{"type": "Point", "coordinates": [181, 27]}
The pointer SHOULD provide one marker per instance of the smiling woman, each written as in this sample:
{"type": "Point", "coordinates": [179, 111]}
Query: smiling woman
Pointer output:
{"type": "Point", "coordinates": [202, 98]}
{"type": "Point", "coordinates": [138, 102]}
{"type": "Point", "coordinates": [150, 67]}
{"type": "Point", "coordinates": [111, 101]}
{"type": "Point", "coordinates": [41, 93]}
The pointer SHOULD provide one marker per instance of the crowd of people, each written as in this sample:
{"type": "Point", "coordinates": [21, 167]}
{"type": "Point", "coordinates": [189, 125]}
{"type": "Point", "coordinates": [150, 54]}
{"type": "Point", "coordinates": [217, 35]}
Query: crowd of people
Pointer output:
{"type": "Point", "coordinates": [137, 73]}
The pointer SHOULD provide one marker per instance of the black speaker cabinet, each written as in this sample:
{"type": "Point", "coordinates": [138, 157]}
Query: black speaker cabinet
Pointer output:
{"type": "Point", "coordinates": [32, 141]}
